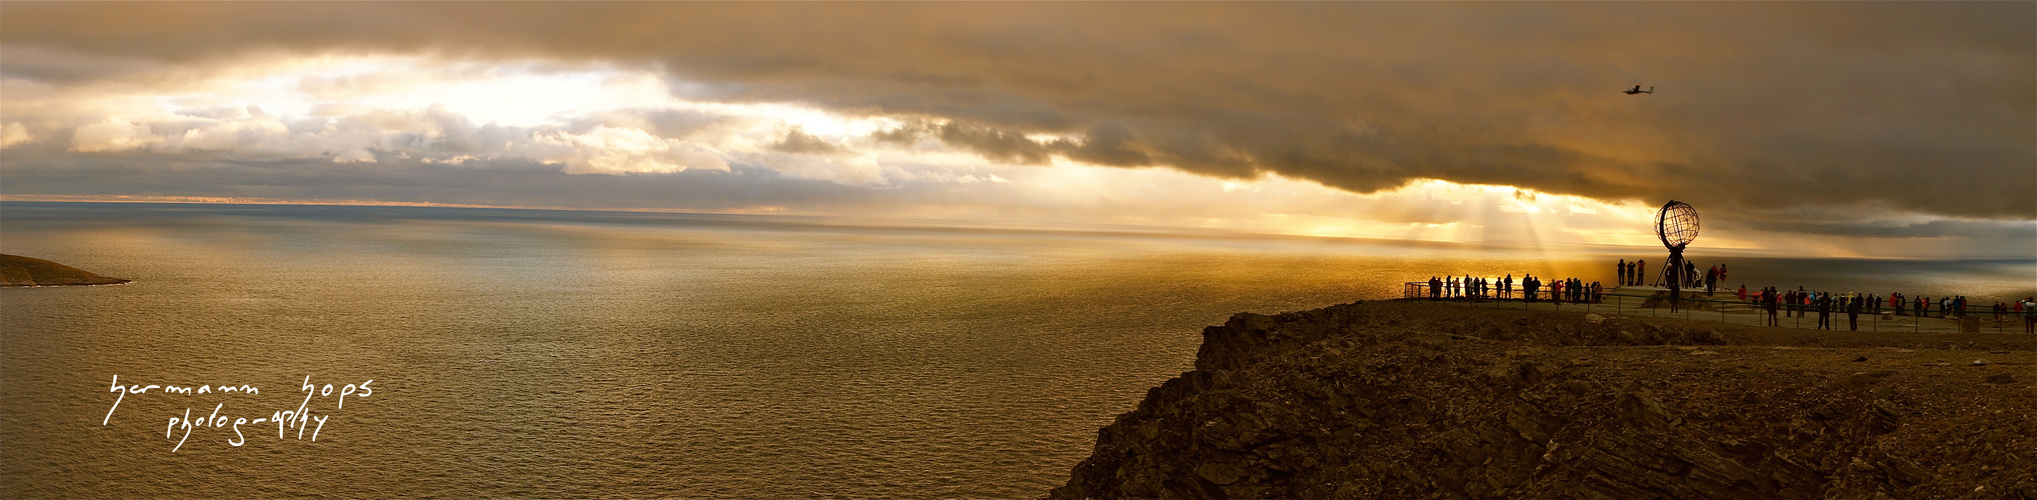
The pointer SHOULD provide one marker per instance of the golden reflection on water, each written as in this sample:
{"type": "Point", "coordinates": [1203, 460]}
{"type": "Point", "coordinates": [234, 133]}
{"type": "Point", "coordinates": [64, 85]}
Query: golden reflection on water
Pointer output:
{"type": "Point", "coordinates": [550, 354]}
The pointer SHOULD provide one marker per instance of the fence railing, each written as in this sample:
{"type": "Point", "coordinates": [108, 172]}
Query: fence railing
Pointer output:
{"type": "Point", "coordinates": [1726, 308]}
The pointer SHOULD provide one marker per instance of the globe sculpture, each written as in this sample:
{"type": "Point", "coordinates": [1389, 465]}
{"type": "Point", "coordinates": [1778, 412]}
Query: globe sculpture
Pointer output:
{"type": "Point", "coordinates": [1677, 225]}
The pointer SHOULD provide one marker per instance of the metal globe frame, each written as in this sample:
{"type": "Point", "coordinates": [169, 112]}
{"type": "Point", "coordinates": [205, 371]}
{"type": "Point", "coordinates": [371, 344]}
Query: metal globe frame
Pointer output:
{"type": "Point", "coordinates": [1676, 224]}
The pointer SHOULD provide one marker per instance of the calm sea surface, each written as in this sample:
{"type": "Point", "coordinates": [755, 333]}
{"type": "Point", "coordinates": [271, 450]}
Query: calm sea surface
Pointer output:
{"type": "Point", "coordinates": [569, 354]}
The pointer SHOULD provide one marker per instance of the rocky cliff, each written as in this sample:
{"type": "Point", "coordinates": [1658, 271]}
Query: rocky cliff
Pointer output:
{"type": "Point", "coordinates": [1416, 400]}
{"type": "Point", "coordinates": [16, 270]}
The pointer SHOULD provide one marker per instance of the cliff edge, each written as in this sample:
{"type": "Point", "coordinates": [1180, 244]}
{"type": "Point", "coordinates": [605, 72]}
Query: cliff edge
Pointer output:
{"type": "Point", "coordinates": [16, 270]}
{"type": "Point", "coordinates": [1420, 400]}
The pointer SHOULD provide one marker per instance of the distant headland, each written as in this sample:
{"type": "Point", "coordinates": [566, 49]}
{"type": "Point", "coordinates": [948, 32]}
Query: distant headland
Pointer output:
{"type": "Point", "coordinates": [16, 271]}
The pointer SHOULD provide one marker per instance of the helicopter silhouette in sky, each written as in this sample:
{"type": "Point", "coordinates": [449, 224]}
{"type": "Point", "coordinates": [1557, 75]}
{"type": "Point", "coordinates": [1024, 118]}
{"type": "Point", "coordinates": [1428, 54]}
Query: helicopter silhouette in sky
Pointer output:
{"type": "Point", "coordinates": [1637, 90]}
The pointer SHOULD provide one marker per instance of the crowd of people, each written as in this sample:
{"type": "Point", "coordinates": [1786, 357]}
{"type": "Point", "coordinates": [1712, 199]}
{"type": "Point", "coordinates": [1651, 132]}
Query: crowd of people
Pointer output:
{"type": "Point", "coordinates": [1777, 303]}
{"type": "Point", "coordinates": [1802, 303]}
{"type": "Point", "coordinates": [1529, 288]}
{"type": "Point", "coordinates": [1635, 274]}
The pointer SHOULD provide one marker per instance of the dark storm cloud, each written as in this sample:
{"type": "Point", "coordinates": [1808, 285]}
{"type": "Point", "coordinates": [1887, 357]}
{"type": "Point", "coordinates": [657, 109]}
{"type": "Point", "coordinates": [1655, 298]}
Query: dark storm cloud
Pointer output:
{"type": "Point", "coordinates": [1760, 107]}
{"type": "Point", "coordinates": [798, 141]}
{"type": "Point", "coordinates": [1103, 144]}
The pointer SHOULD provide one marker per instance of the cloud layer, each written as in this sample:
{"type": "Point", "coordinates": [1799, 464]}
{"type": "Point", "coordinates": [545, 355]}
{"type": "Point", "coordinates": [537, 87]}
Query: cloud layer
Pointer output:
{"type": "Point", "coordinates": [1820, 118]}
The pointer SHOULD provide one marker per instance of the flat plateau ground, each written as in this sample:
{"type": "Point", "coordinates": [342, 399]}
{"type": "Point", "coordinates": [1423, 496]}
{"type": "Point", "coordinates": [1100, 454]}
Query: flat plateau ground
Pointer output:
{"type": "Point", "coordinates": [1404, 399]}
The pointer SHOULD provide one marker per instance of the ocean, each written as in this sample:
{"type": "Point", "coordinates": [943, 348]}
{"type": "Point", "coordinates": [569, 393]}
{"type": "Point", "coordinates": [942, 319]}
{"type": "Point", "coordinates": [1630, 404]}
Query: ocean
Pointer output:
{"type": "Point", "coordinates": [530, 353]}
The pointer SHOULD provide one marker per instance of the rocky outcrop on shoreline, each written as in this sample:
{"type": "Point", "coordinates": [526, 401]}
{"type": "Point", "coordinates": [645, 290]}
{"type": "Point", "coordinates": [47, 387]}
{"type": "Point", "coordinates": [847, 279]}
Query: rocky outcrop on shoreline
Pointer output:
{"type": "Point", "coordinates": [1414, 400]}
{"type": "Point", "coordinates": [16, 271]}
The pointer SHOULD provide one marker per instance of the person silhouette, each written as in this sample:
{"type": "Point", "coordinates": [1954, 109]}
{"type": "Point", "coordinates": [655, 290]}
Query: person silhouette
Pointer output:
{"type": "Point", "coordinates": [1853, 314]}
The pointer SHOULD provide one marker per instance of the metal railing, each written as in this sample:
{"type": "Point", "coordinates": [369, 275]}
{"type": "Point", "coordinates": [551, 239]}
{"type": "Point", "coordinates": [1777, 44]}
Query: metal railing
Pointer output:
{"type": "Point", "coordinates": [1732, 310]}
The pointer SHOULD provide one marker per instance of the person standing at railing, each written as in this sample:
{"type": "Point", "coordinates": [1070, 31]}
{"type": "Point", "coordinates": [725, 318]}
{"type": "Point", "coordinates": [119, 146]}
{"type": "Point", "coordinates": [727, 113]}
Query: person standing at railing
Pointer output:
{"type": "Point", "coordinates": [1823, 302]}
{"type": "Point", "coordinates": [1621, 270]}
{"type": "Point", "coordinates": [1769, 298]}
{"type": "Point", "coordinates": [1711, 280]}
{"type": "Point", "coordinates": [2029, 313]}
{"type": "Point", "coordinates": [1810, 298]}
{"type": "Point", "coordinates": [1853, 313]}
{"type": "Point", "coordinates": [1640, 272]}
{"type": "Point", "coordinates": [1741, 295]}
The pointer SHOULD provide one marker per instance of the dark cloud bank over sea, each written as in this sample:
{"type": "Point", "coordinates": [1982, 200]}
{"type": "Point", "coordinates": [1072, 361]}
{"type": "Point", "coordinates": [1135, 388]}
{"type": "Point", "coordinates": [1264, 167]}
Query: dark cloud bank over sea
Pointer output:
{"type": "Point", "coordinates": [1820, 118]}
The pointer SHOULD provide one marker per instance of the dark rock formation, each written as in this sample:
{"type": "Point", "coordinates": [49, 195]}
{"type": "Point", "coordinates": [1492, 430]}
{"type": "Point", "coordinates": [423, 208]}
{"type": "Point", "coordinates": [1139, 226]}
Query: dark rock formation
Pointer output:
{"type": "Point", "coordinates": [16, 270]}
{"type": "Point", "coordinates": [1411, 400]}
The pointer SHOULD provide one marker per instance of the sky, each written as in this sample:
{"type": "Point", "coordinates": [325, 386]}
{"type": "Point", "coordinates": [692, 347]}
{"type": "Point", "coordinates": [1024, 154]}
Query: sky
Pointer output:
{"type": "Point", "coordinates": [1866, 129]}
